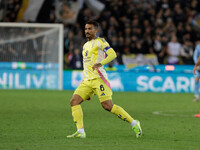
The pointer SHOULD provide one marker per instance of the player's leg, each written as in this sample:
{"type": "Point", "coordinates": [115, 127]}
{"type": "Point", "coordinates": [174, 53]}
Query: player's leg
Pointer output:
{"type": "Point", "coordinates": [117, 110]}
{"type": "Point", "coordinates": [122, 114]}
{"type": "Point", "coordinates": [82, 93]}
{"type": "Point", "coordinates": [196, 90]}
{"type": "Point", "coordinates": [105, 96]}
{"type": "Point", "coordinates": [77, 114]}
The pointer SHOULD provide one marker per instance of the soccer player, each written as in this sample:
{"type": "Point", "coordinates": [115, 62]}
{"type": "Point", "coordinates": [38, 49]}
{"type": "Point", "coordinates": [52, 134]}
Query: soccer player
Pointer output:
{"type": "Point", "coordinates": [196, 72]}
{"type": "Point", "coordinates": [96, 82]}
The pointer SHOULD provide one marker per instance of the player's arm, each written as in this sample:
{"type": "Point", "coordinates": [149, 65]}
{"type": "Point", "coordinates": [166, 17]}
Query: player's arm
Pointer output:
{"type": "Point", "coordinates": [110, 56]}
{"type": "Point", "coordinates": [196, 59]}
{"type": "Point", "coordinates": [196, 65]}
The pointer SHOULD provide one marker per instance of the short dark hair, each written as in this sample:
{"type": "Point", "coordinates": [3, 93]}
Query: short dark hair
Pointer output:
{"type": "Point", "coordinates": [95, 23]}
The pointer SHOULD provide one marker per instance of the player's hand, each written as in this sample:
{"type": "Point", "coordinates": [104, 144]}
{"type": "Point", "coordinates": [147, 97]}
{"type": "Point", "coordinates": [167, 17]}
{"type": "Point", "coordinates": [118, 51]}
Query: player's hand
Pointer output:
{"type": "Point", "coordinates": [96, 66]}
{"type": "Point", "coordinates": [194, 70]}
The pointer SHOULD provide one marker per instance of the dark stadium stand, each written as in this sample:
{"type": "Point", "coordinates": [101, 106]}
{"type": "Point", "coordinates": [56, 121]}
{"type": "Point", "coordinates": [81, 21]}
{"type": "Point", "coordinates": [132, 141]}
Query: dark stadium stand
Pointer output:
{"type": "Point", "coordinates": [131, 27]}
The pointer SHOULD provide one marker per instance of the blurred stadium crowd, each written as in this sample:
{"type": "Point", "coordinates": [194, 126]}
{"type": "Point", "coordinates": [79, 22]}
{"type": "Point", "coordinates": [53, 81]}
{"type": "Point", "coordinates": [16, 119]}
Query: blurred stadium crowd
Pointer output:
{"type": "Point", "coordinates": [162, 31]}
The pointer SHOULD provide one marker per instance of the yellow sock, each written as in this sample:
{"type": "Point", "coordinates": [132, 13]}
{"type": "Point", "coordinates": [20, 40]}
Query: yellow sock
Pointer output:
{"type": "Point", "coordinates": [121, 113]}
{"type": "Point", "coordinates": [77, 114]}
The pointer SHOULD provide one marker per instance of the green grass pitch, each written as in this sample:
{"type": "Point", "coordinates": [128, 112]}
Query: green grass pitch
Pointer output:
{"type": "Point", "coordinates": [40, 120]}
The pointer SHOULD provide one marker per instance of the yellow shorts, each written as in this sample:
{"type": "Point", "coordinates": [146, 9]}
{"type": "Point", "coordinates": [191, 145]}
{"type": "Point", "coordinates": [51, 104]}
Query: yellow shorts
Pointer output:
{"type": "Point", "coordinates": [88, 87]}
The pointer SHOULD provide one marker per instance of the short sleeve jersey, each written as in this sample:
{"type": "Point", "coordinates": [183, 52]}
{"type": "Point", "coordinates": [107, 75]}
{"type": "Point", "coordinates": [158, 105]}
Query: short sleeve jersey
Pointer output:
{"type": "Point", "coordinates": [94, 52]}
{"type": "Point", "coordinates": [196, 53]}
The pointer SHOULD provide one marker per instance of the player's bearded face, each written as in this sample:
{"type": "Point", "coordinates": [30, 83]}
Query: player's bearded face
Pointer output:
{"type": "Point", "coordinates": [90, 31]}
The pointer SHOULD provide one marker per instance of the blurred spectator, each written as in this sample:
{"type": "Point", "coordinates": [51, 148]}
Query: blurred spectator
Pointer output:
{"type": "Point", "coordinates": [179, 15]}
{"type": "Point", "coordinates": [84, 15]}
{"type": "Point", "coordinates": [12, 53]}
{"type": "Point", "coordinates": [47, 12]}
{"type": "Point", "coordinates": [111, 32]}
{"type": "Point", "coordinates": [187, 52]}
{"type": "Point", "coordinates": [67, 59]}
{"type": "Point", "coordinates": [114, 43]}
{"type": "Point", "coordinates": [12, 10]}
{"type": "Point", "coordinates": [2, 53]}
{"type": "Point", "coordinates": [169, 27]}
{"type": "Point", "coordinates": [67, 41]}
{"type": "Point", "coordinates": [76, 60]}
{"type": "Point", "coordinates": [127, 49]}
{"type": "Point", "coordinates": [173, 50]}
{"type": "Point", "coordinates": [189, 33]}
{"type": "Point", "coordinates": [159, 48]}
{"type": "Point", "coordinates": [180, 31]}
{"type": "Point", "coordinates": [27, 53]}
{"type": "Point", "coordinates": [78, 40]}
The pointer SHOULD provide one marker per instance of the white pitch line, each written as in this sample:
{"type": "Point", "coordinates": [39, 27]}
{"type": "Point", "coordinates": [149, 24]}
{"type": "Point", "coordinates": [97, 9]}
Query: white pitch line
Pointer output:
{"type": "Point", "coordinates": [161, 113]}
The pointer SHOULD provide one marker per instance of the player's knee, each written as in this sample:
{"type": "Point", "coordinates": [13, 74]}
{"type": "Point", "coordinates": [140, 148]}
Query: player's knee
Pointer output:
{"type": "Point", "coordinates": [72, 101]}
{"type": "Point", "coordinates": [107, 106]}
{"type": "Point", "coordinates": [75, 100]}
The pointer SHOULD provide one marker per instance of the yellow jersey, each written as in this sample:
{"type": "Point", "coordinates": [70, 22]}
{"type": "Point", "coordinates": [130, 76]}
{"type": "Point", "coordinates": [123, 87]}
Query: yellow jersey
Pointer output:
{"type": "Point", "coordinates": [94, 52]}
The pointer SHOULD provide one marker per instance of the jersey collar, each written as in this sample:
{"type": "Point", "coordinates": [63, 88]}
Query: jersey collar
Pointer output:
{"type": "Point", "coordinates": [95, 37]}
